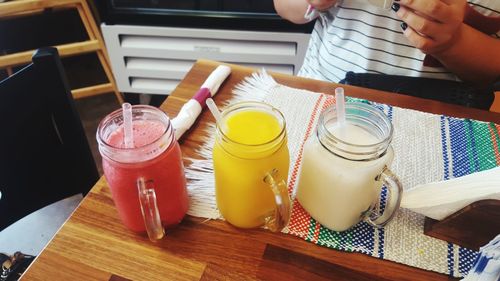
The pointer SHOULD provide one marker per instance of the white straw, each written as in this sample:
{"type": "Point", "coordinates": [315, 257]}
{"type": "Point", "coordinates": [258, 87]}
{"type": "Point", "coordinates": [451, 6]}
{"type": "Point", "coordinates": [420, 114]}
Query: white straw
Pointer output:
{"type": "Point", "coordinates": [340, 106]}
{"type": "Point", "coordinates": [216, 113]}
{"type": "Point", "coordinates": [128, 135]}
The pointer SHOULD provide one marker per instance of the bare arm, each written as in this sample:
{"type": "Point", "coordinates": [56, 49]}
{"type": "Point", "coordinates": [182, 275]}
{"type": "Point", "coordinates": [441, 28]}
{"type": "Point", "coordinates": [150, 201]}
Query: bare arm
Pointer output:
{"type": "Point", "coordinates": [436, 27]}
{"type": "Point", "coordinates": [292, 10]}
{"type": "Point", "coordinates": [475, 56]}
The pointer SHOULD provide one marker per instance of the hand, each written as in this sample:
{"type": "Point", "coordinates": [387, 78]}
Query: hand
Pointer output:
{"type": "Point", "coordinates": [322, 5]}
{"type": "Point", "coordinates": [431, 25]}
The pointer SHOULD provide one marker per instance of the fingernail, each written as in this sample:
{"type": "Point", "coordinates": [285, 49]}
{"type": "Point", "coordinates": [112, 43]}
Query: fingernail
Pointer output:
{"type": "Point", "coordinates": [395, 7]}
{"type": "Point", "coordinates": [404, 26]}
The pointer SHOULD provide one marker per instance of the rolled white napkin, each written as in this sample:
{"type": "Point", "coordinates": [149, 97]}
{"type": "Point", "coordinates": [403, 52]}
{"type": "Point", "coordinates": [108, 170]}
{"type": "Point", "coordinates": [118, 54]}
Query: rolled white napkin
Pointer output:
{"type": "Point", "coordinates": [190, 110]}
{"type": "Point", "coordinates": [438, 200]}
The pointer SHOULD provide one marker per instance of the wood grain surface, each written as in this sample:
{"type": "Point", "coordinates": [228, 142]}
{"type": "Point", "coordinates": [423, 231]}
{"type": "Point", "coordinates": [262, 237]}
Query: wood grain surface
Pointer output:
{"type": "Point", "coordinates": [94, 245]}
{"type": "Point", "coordinates": [472, 227]}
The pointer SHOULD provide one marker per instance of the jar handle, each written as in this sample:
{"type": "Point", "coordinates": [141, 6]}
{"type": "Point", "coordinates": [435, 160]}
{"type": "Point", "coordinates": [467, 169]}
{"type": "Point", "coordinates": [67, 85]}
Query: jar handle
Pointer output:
{"type": "Point", "coordinates": [281, 215]}
{"type": "Point", "coordinates": [149, 209]}
{"type": "Point", "coordinates": [395, 188]}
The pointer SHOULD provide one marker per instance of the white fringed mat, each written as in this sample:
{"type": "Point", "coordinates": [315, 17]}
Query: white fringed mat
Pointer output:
{"type": "Point", "coordinates": [427, 147]}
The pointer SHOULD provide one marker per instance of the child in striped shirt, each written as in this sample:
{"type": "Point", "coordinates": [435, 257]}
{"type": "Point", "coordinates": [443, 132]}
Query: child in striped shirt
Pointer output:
{"type": "Point", "coordinates": [352, 35]}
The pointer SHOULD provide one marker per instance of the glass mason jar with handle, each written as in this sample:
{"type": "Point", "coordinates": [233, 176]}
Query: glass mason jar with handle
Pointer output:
{"type": "Point", "coordinates": [251, 161]}
{"type": "Point", "coordinates": [147, 181]}
{"type": "Point", "coordinates": [344, 167]}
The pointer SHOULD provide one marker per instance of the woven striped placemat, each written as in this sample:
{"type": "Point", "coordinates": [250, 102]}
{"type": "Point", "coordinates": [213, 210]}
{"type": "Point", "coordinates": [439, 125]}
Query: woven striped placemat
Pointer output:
{"type": "Point", "coordinates": [428, 147]}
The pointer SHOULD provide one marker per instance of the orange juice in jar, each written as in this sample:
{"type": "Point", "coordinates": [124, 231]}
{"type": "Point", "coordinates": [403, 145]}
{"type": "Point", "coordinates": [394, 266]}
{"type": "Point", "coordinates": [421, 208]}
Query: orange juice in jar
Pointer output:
{"type": "Point", "coordinates": [251, 163]}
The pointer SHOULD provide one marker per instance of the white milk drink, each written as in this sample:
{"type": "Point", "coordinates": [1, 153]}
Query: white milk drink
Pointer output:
{"type": "Point", "coordinates": [344, 167]}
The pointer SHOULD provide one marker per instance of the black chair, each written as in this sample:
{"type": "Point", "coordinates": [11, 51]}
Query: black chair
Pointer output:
{"type": "Point", "coordinates": [44, 153]}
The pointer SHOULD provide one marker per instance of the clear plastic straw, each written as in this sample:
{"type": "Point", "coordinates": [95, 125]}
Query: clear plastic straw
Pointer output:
{"type": "Point", "coordinates": [216, 113]}
{"type": "Point", "coordinates": [340, 106]}
{"type": "Point", "coordinates": [311, 13]}
{"type": "Point", "coordinates": [128, 135]}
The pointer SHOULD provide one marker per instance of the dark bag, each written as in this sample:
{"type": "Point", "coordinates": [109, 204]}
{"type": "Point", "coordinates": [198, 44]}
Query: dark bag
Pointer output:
{"type": "Point", "coordinates": [436, 89]}
{"type": "Point", "coordinates": [14, 266]}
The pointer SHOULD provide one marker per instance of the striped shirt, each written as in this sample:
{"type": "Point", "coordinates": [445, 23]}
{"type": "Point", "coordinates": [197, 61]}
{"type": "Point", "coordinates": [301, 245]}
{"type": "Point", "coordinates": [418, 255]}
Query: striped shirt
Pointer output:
{"type": "Point", "coordinates": [355, 36]}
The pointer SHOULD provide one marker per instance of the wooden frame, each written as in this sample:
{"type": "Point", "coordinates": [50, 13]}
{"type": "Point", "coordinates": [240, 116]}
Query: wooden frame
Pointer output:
{"type": "Point", "coordinates": [95, 43]}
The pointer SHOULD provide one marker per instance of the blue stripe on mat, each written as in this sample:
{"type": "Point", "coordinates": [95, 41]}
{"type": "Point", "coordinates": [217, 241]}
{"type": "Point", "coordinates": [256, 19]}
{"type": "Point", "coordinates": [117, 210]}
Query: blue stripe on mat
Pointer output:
{"type": "Point", "coordinates": [381, 232]}
{"type": "Point", "coordinates": [444, 120]}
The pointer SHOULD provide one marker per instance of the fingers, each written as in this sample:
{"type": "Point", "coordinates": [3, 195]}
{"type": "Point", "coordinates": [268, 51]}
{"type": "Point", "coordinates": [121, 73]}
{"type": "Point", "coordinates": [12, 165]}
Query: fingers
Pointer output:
{"type": "Point", "coordinates": [426, 31]}
{"type": "Point", "coordinates": [419, 23]}
{"type": "Point", "coordinates": [321, 5]}
{"type": "Point", "coordinates": [450, 2]}
{"type": "Point", "coordinates": [425, 44]}
{"type": "Point", "coordinates": [435, 9]}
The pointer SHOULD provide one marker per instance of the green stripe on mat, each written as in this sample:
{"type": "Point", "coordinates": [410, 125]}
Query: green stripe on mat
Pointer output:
{"type": "Point", "coordinates": [312, 227]}
{"type": "Point", "coordinates": [336, 240]}
{"type": "Point", "coordinates": [484, 146]}
{"type": "Point", "coordinates": [470, 150]}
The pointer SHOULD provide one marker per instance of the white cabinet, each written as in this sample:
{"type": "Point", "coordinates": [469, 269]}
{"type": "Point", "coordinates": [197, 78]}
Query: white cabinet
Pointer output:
{"type": "Point", "coordinates": [153, 60]}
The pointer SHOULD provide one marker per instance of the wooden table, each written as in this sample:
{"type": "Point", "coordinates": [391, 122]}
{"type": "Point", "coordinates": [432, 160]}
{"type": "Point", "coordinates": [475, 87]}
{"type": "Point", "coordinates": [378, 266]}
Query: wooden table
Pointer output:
{"type": "Point", "coordinates": [94, 245]}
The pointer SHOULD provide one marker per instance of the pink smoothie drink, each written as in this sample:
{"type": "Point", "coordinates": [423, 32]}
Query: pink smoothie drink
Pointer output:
{"type": "Point", "coordinates": [165, 171]}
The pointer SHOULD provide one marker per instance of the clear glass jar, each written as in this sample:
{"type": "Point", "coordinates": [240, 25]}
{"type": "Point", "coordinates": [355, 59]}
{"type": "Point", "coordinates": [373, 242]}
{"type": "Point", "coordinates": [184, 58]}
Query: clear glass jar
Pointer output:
{"type": "Point", "coordinates": [344, 167]}
{"type": "Point", "coordinates": [250, 177]}
{"type": "Point", "coordinates": [147, 181]}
